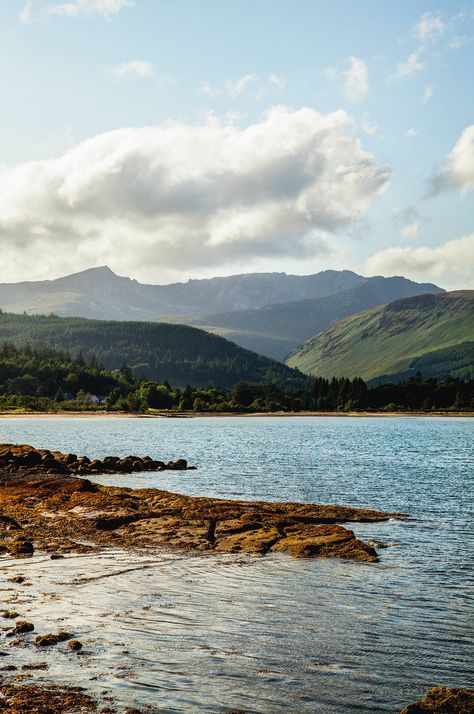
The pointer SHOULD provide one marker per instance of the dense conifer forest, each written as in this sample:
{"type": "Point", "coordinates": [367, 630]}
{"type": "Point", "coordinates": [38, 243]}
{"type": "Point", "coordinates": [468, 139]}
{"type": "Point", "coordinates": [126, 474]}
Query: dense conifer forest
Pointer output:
{"type": "Point", "coordinates": [51, 380]}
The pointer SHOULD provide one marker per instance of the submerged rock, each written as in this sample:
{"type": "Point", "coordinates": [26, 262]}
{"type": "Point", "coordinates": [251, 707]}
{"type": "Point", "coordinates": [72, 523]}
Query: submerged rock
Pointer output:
{"type": "Point", "coordinates": [443, 700]}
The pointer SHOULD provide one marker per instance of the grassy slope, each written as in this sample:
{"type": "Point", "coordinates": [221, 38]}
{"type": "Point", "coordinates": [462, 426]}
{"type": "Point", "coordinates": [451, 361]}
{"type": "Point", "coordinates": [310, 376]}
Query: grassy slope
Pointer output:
{"type": "Point", "coordinates": [385, 340]}
{"type": "Point", "coordinates": [178, 353]}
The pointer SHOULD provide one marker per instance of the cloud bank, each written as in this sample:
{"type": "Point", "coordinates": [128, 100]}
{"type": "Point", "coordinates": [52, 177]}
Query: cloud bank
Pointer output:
{"type": "Point", "coordinates": [179, 197]}
{"type": "Point", "coordinates": [454, 258]}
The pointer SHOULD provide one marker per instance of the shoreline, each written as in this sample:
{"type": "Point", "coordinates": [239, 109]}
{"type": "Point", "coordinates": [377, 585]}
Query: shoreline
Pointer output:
{"type": "Point", "coordinates": [192, 415]}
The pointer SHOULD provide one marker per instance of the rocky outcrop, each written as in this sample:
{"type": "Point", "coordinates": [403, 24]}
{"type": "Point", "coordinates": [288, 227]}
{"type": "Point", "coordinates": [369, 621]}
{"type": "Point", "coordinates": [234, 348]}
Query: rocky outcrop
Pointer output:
{"type": "Point", "coordinates": [16, 698]}
{"type": "Point", "coordinates": [57, 513]}
{"type": "Point", "coordinates": [22, 457]}
{"type": "Point", "coordinates": [443, 700]}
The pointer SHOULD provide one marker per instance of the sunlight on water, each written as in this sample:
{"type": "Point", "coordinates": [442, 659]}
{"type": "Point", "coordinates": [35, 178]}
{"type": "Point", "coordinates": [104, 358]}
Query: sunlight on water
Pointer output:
{"type": "Point", "coordinates": [272, 634]}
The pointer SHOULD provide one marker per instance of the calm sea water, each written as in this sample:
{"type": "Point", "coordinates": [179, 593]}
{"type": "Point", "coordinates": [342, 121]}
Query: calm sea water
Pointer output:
{"type": "Point", "coordinates": [272, 635]}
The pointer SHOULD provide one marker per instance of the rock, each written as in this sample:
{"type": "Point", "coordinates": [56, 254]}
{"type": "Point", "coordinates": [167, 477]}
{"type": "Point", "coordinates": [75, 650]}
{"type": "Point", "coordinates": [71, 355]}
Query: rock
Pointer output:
{"type": "Point", "coordinates": [9, 614]}
{"type": "Point", "coordinates": [74, 645]}
{"type": "Point", "coordinates": [56, 556]}
{"type": "Point", "coordinates": [47, 699]}
{"type": "Point", "coordinates": [443, 700]}
{"type": "Point", "coordinates": [17, 579]}
{"type": "Point", "coordinates": [52, 638]}
{"type": "Point", "coordinates": [22, 547]}
{"type": "Point", "coordinates": [22, 626]}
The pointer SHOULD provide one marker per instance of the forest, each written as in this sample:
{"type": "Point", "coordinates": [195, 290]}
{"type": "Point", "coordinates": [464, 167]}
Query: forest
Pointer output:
{"type": "Point", "coordinates": [50, 380]}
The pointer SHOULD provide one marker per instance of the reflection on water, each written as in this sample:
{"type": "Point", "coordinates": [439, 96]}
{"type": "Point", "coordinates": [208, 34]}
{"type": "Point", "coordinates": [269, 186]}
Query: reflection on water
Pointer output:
{"type": "Point", "coordinates": [269, 635]}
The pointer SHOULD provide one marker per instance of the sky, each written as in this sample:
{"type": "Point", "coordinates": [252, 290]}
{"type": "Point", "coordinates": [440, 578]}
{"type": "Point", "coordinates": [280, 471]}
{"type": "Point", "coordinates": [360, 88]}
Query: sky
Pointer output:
{"type": "Point", "coordinates": [177, 139]}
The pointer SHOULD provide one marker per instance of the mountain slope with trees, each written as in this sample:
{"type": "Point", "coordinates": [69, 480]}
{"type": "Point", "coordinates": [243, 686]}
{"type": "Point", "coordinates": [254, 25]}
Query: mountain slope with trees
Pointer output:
{"type": "Point", "coordinates": [181, 354]}
{"type": "Point", "coordinates": [428, 333]}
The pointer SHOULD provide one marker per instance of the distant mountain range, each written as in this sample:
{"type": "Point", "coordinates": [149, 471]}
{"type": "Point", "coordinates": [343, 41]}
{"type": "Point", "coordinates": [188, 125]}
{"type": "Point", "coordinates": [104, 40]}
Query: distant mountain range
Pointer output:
{"type": "Point", "coordinates": [269, 313]}
{"type": "Point", "coordinates": [181, 354]}
{"type": "Point", "coordinates": [276, 330]}
{"type": "Point", "coordinates": [100, 294]}
{"type": "Point", "coordinates": [433, 334]}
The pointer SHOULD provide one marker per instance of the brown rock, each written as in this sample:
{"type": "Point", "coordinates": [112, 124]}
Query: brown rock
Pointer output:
{"type": "Point", "coordinates": [74, 645]}
{"type": "Point", "coordinates": [443, 700]}
{"type": "Point", "coordinates": [22, 626]}
{"type": "Point", "coordinates": [16, 698]}
{"type": "Point", "coordinates": [52, 638]}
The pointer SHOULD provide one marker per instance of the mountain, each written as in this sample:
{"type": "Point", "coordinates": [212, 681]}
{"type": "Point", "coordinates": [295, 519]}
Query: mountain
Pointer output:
{"type": "Point", "coordinates": [429, 333]}
{"type": "Point", "coordinates": [181, 354]}
{"type": "Point", "coordinates": [100, 294]}
{"type": "Point", "coordinates": [276, 330]}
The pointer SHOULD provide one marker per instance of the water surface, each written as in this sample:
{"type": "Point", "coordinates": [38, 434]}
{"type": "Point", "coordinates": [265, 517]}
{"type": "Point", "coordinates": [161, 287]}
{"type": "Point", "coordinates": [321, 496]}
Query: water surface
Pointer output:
{"type": "Point", "coordinates": [270, 635]}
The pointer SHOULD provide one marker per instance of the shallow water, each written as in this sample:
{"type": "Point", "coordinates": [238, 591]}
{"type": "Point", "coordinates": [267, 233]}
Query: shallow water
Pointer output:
{"type": "Point", "coordinates": [272, 634]}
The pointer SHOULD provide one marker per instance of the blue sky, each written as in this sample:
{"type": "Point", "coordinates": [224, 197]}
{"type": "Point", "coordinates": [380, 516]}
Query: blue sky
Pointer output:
{"type": "Point", "coordinates": [281, 135]}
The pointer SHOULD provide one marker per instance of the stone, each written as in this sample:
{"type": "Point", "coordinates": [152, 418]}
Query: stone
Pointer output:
{"type": "Point", "coordinates": [443, 700]}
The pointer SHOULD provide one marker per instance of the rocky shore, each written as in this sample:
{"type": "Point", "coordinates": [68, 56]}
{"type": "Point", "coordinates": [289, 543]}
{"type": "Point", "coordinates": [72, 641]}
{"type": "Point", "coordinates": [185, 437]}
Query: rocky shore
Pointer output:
{"type": "Point", "coordinates": [45, 506]}
{"type": "Point", "coordinates": [48, 506]}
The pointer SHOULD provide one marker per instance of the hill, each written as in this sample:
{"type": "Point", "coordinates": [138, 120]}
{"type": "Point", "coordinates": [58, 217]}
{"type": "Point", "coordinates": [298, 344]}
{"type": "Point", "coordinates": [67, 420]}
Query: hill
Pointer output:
{"type": "Point", "coordinates": [396, 340]}
{"type": "Point", "coordinates": [276, 330]}
{"type": "Point", "coordinates": [100, 294]}
{"type": "Point", "coordinates": [181, 354]}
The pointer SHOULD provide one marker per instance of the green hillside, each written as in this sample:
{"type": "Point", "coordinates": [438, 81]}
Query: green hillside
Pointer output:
{"type": "Point", "coordinates": [181, 354]}
{"type": "Point", "coordinates": [396, 340]}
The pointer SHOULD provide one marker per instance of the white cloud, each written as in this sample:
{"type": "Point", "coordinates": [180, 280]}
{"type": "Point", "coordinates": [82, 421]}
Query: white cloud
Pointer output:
{"type": "Point", "coordinates": [134, 68]}
{"type": "Point", "coordinates": [429, 28]}
{"type": "Point", "coordinates": [409, 222]}
{"type": "Point", "coordinates": [356, 84]}
{"type": "Point", "coordinates": [262, 85]}
{"type": "Point", "coordinates": [237, 86]}
{"type": "Point", "coordinates": [278, 81]}
{"type": "Point", "coordinates": [25, 12]}
{"type": "Point", "coordinates": [410, 133]}
{"type": "Point", "coordinates": [411, 230]}
{"type": "Point", "coordinates": [427, 94]}
{"type": "Point", "coordinates": [37, 9]}
{"type": "Point", "coordinates": [106, 8]}
{"type": "Point", "coordinates": [178, 197]}
{"type": "Point", "coordinates": [458, 169]}
{"type": "Point", "coordinates": [452, 263]}
{"type": "Point", "coordinates": [369, 127]}
{"type": "Point", "coordinates": [411, 66]}
{"type": "Point", "coordinates": [458, 41]}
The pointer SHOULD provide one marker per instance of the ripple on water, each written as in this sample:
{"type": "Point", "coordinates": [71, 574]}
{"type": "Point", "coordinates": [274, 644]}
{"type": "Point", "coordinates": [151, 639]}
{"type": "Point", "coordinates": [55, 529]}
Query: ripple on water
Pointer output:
{"type": "Point", "coordinates": [270, 635]}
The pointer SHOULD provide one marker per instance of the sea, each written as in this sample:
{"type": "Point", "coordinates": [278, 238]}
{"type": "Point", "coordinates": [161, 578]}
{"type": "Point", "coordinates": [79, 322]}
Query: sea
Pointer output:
{"type": "Point", "coordinates": [167, 632]}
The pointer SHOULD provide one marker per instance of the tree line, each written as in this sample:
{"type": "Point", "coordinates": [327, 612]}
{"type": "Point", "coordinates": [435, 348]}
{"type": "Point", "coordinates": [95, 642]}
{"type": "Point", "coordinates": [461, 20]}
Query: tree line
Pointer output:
{"type": "Point", "coordinates": [52, 380]}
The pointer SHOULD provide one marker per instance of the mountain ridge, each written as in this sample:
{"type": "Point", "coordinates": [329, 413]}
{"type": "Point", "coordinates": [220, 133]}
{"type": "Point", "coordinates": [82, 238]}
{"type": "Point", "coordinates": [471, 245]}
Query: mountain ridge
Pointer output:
{"type": "Point", "coordinates": [390, 341]}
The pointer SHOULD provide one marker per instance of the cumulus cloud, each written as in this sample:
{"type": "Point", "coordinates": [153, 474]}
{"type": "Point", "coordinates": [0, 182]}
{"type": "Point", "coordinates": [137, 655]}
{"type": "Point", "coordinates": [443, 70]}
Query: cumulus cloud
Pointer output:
{"type": "Point", "coordinates": [134, 68]}
{"type": "Point", "coordinates": [181, 197]}
{"type": "Point", "coordinates": [453, 262]}
{"type": "Point", "coordinates": [411, 66]}
{"type": "Point", "coordinates": [458, 169]}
